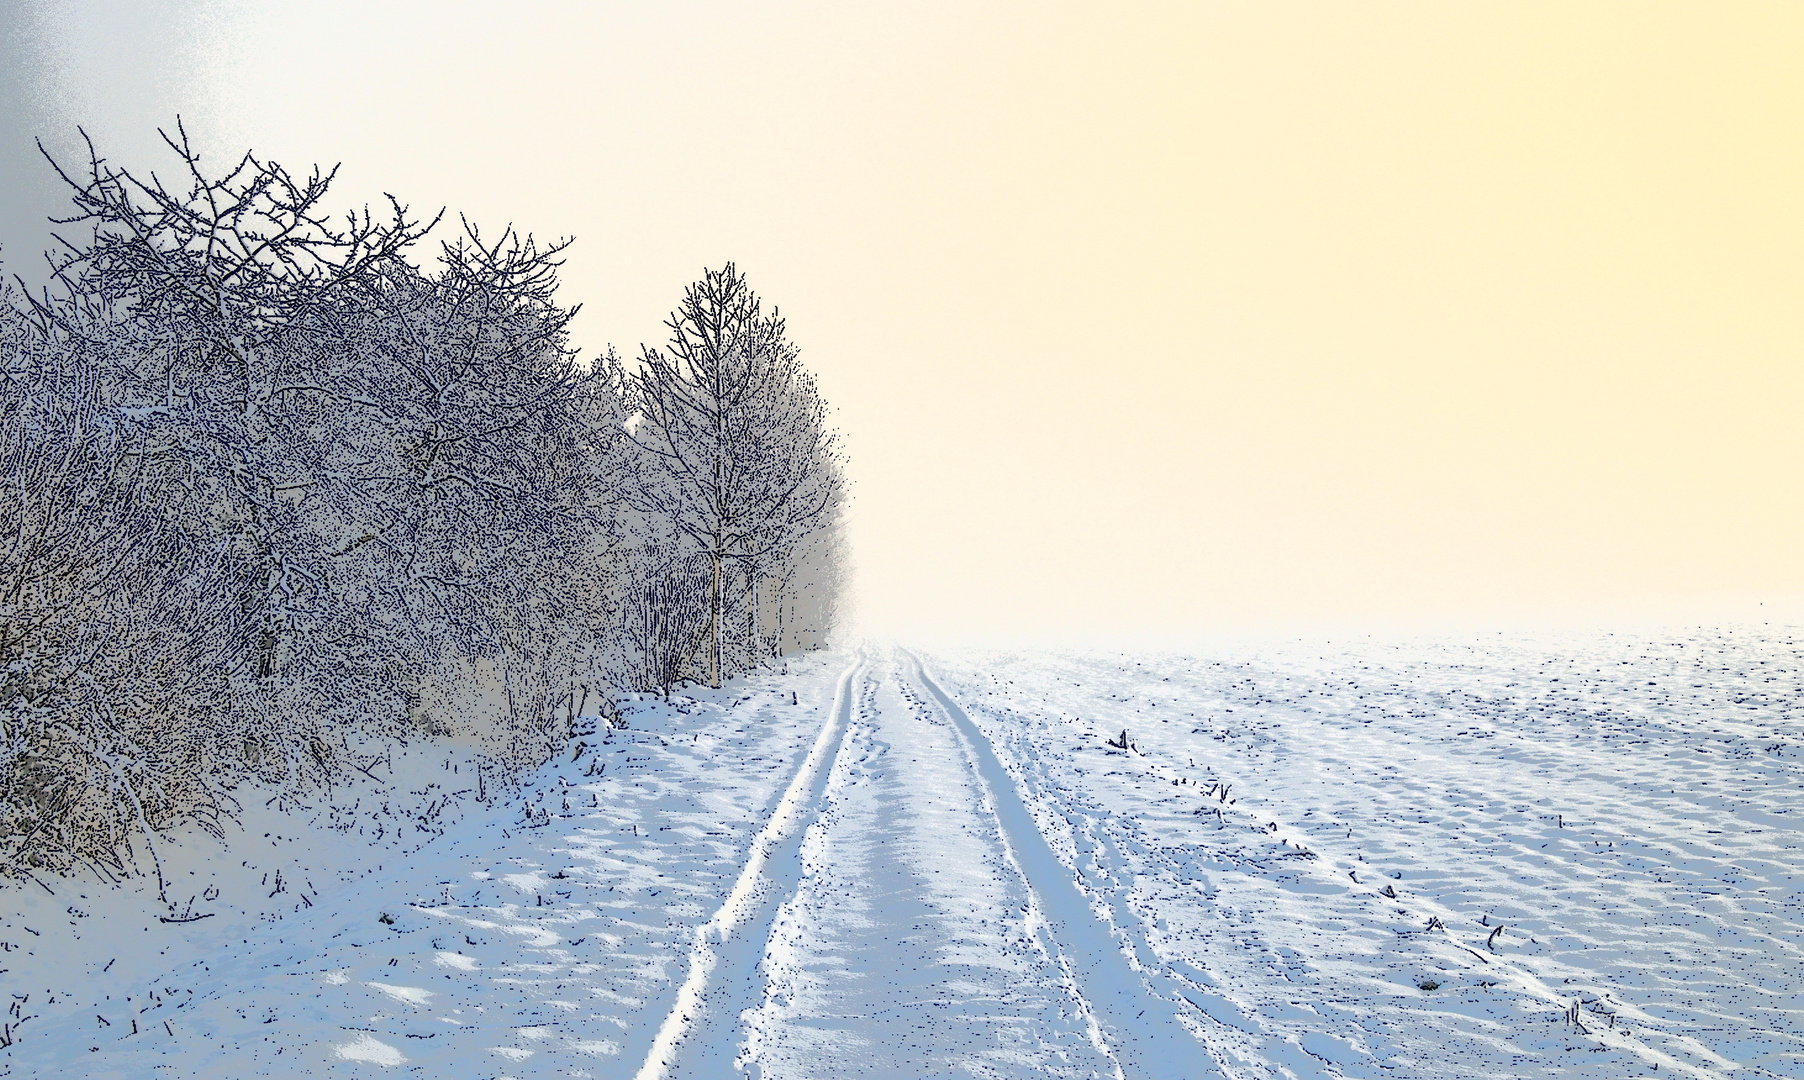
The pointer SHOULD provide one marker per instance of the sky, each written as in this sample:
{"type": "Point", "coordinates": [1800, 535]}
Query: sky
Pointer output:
{"type": "Point", "coordinates": [1141, 321]}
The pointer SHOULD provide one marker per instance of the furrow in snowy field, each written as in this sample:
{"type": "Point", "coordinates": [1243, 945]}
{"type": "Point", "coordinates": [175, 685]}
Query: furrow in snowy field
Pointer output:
{"type": "Point", "coordinates": [1642, 885]}
{"type": "Point", "coordinates": [1518, 973]}
{"type": "Point", "coordinates": [702, 1027]}
{"type": "Point", "coordinates": [541, 944]}
{"type": "Point", "coordinates": [1144, 1028]}
{"type": "Point", "coordinates": [912, 946]}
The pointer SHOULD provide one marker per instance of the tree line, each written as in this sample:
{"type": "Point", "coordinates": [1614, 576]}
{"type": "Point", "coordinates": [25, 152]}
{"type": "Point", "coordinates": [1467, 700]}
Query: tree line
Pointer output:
{"type": "Point", "coordinates": [270, 491]}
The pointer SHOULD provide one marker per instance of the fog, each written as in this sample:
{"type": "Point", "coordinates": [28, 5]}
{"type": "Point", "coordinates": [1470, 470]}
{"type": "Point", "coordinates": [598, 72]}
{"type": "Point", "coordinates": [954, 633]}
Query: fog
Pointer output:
{"type": "Point", "coordinates": [1156, 323]}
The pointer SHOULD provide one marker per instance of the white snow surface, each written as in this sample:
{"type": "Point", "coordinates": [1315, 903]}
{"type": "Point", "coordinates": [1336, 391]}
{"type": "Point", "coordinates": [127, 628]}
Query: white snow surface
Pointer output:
{"type": "Point", "coordinates": [519, 945]}
{"type": "Point", "coordinates": [1514, 856]}
{"type": "Point", "coordinates": [1628, 808]}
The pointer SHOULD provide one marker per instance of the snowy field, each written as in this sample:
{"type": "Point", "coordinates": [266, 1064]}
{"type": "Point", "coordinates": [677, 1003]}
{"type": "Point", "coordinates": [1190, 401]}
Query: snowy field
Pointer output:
{"type": "Point", "coordinates": [1629, 811]}
{"type": "Point", "coordinates": [1519, 856]}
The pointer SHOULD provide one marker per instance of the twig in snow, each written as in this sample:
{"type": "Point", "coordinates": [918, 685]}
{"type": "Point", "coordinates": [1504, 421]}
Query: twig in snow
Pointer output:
{"type": "Point", "coordinates": [1572, 1017]}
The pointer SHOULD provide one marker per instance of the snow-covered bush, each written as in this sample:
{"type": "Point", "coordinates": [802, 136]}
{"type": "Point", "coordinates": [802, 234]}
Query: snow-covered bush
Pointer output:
{"type": "Point", "coordinates": [117, 616]}
{"type": "Point", "coordinates": [269, 490]}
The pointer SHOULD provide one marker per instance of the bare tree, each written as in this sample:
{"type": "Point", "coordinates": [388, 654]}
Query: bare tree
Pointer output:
{"type": "Point", "coordinates": [799, 483]}
{"type": "Point", "coordinates": [260, 476]}
{"type": "Point", "coordinates": [219, 282]}
{"type": "Point", "coordinates": [733, 437]}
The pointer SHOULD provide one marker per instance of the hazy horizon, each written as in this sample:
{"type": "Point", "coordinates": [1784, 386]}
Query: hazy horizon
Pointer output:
{"type": "Point", "coordinates": [1158, 323]}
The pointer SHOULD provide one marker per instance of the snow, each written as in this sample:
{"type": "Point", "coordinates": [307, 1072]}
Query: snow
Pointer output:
{"type": "Point", "coordinates": [1513, 856]}
{"type": "Point", "coordinates": [1628, 809]}
{"type": "Point", "coordinates": [752, 891]}
{"type": "Point", "coordinates": [365, 1048]}
{"type": "Point", "coordinates": [911, 945]}
{"type": "Point", "coordinates": [567, 931]}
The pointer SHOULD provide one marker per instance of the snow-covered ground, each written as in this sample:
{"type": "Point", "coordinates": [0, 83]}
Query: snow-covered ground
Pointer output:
{"type": "Point", "coordinates": [541, 934]}
{"type": "Point", "coordinates": [1572, 856]}
{"type": "Point", "coordinates": [1629, 811]}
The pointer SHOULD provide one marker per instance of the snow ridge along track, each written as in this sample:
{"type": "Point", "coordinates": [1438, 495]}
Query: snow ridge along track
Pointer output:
{"type": "Point", "coordinates": [754, 891]}
{"type": "Point", "coordinates": [1142, 1027]}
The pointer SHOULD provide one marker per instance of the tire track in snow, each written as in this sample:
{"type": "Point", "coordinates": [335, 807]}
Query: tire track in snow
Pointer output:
{"type": "Point", "coordinates": [1143, 1028]}
{"type": "Point", "coordinates": [913, 945]}
{"type": "Point", "coordinates": [755, 893]}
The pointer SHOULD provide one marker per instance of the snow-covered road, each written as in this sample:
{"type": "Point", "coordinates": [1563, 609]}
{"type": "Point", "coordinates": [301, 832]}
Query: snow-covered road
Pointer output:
{"type": "Point", "coordinates": [1508, 859]}
{"type": "Point", "coordinates": [924, 929]}
{"type": "Point", "coordinates": [912, 945]}
{"type": "Point", "coordinates": [848, 885]}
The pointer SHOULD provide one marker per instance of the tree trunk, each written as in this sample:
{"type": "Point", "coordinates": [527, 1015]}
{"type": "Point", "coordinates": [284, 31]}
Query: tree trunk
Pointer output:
{"type": "Point", "coordinates": [752, 590]}
{"type": "Point", "coordinates": [714, 623]}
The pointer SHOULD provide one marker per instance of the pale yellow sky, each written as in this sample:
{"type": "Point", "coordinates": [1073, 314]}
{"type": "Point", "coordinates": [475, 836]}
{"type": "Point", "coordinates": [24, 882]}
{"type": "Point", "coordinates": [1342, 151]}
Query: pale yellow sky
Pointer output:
{"type": "Point", "coordinates": [1139, 319]}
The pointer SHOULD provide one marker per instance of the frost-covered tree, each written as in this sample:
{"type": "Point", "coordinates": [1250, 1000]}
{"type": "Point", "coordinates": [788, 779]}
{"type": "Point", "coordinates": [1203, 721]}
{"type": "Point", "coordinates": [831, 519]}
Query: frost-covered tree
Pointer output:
{"type": "Point", "coordinates": [801, 487]}
{"type": "Point", "coordinates": [734, 453]}
{"type": "Point", "coordinates": [118, 611]}
{"type": "Point", "coordinates": [268, 489]}
{"type": "Point", "coordinates": [222, 283]}
{"type": "Point", "coordinates": [481, 528]}
{"type": "Point", "coordinates": [267, 484]}
{"type": "Point", "coordinates": [154, 552]}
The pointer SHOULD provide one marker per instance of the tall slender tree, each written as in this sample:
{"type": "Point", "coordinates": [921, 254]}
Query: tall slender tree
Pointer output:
{"type": "Point", "coordinates": [736, 454]}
